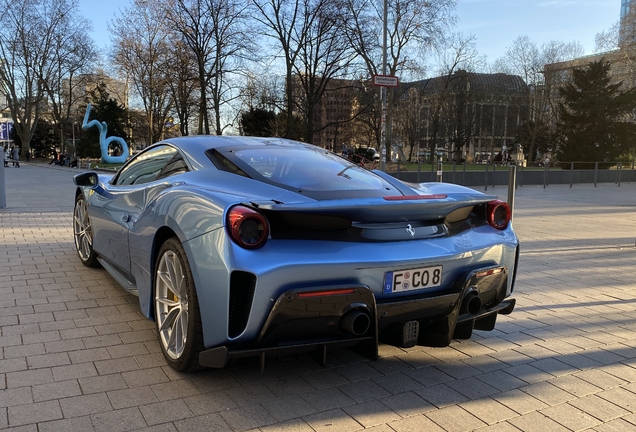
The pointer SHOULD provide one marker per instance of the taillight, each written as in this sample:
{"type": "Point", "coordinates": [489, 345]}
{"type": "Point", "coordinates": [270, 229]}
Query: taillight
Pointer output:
{"type": "Point", "coordinates": [247, 227]}
{"type": "Point", "coordinates": [498, 214]}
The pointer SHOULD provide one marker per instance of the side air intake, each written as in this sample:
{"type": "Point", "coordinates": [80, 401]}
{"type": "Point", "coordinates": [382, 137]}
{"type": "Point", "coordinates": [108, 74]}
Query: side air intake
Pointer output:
{"type": "Point", "coordinates": [242, 286]}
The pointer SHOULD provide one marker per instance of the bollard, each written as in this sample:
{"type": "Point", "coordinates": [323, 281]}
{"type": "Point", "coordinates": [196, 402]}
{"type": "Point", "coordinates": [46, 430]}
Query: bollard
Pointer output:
{"type": "Point", "coordinates": [486, 188]}
{"type": "Point", "coordinates": [464, 173]}
{"type": "Point", "coordinates": [494, 172]}
{"type": "Point", "coordinates": [620, 168]}
{"type": "Point", "coordinates": [595, 172]}
{"type": "Point", "coordinates": [3, 189]}
{"type": "Point", "coordinates": [521, 176]}
{"type": "Point", "coordinates": [440, 168]}
{"type": "Point", "coordinates": [419, 170]}
{"type": "Point", "coordinates": [512, 185]}
{"type": "Point", "coordinates": [398, 169]}
{"type": "Point", "coordinates": [571, 174]}
{"type": "Point", "coordinates": [454, 165]}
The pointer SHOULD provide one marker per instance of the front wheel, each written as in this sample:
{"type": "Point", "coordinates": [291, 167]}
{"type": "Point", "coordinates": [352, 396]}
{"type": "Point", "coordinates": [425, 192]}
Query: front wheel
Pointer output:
{"type": "Point", "coordinates": [177, 308]}
{"type": "Point", "coordinates": [83, 233]}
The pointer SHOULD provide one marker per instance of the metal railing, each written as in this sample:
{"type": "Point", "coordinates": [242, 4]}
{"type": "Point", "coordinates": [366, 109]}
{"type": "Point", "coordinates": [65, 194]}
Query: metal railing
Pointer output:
{"type": "Point", "coordinates": [492, 175]}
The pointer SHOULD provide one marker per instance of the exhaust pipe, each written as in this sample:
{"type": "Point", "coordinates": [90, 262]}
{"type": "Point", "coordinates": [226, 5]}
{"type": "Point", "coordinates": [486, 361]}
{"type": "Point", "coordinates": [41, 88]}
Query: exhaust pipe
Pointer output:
{"type": "Point", "coordinates": [471, 303]}
{"type": "Point", "coordinates": [355, 322]}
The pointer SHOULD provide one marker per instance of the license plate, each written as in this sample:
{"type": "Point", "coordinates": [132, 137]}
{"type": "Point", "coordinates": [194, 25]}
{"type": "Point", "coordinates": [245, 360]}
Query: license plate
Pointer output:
{"type": "Point", "coordinates": [414, 279]}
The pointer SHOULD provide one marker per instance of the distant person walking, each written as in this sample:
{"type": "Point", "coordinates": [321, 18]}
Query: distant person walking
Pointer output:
{"type": "Point", "coordinates": [16, 157]}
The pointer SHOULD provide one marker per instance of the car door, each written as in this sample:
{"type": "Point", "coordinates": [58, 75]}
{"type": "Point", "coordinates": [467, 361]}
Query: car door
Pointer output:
{"type": "Point", "coordinates": [115, 208]}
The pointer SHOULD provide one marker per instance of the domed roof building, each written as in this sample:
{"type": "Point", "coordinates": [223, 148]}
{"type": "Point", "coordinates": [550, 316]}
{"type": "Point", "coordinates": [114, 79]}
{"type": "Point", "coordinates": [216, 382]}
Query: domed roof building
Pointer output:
{"type": "Point", "coordinates": [464, 115]}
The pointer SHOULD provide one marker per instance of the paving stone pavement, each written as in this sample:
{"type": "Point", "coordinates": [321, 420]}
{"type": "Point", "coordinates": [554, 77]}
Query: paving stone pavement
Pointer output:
{"type": "Point", "coordinates": [76, 354]}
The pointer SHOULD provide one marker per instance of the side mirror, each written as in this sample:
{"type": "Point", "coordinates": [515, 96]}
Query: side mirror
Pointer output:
{"type": "Point", "coordinates": [86, 179]}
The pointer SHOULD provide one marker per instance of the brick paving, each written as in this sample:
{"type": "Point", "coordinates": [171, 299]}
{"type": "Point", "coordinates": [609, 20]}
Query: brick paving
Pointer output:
{"type": "Point", "coordinates": [77, 355]}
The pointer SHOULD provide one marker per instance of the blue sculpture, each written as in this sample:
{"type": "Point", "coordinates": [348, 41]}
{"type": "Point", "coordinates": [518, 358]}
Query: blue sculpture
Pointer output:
{"type": "Point", "coordinates": [105, 142]}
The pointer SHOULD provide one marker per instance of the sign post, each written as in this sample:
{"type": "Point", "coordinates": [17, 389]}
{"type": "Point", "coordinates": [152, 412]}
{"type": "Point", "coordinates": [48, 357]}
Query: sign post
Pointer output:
{"type": "Point", "coordinates": [3, 188]}
{"type": "Point", "coordinates": [5, 135]}
{"type": "Point", "coordinates": [384, 81]}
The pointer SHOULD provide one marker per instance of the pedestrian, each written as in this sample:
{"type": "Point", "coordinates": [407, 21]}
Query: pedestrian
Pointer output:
{"type": "Point", "coordinates": [7, 156]}
{"type": "Point", "coordinates": [16, 157]}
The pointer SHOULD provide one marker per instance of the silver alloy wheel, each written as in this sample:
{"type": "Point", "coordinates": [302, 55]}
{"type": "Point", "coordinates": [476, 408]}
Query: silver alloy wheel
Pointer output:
{"type": "Point", "coordinates": [171, 300]}
{"type": "Point", "coordinates": [82, 231]}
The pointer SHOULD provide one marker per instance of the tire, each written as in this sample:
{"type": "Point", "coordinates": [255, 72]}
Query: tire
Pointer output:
{"type": "Point", "coordinates": [83, 233]}
{"type": "Point", "coordinates": [177, 308]}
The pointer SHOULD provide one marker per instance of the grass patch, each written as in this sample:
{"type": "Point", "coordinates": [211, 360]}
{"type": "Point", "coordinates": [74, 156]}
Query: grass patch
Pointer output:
{"type": "Point", "coordinates": [448, 167]}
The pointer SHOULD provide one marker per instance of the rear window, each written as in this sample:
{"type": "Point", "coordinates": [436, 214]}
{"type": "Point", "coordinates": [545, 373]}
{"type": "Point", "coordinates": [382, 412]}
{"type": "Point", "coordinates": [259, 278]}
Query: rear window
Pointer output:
{"type": "Point", "coordinates": [305, 169]}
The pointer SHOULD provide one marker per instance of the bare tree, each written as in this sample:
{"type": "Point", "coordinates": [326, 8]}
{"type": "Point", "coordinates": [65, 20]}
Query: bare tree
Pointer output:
{"type": "Point", "coordinates": [232, 43]}
{"type": "Point", "coordinates": [73, 53]}
{"type": "Point", "coordinates": [413, 27]}
{"type": "Point", "coordinates": [363, 129]}
{"type": "Point", "coordinates": [288, 23]}
{"type": "Point", "coordinates": [141, 51]}
{"type": "Point", "coordinates": [262, 91]}
{"type": "Point", "coordinates": [192, 20]}
{"type": "Point", "coordinates": [408, 125]}
{"type": "Point", "coordinates": [524, 58]}
{"type": "Point", "coordinates": [619, 44]}
{"type": "Point", "coordinates": [214, 33]}
{"type": "Point", "coordinates": [456, 57]}
{"type": "Point", "coordinates": [29, 35]}
{"type": "Point", "coordinates": [325, 55]}
{"type": "Point", "coordinates": [183, 83]}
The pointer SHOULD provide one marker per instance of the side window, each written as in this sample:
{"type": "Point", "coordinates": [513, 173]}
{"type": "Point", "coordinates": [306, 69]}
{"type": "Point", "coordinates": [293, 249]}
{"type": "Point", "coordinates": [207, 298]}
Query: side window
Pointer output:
{"type": "Point", "coordinates": [176, 166]}
{"type": "Point", "coordinates": [146, 167]}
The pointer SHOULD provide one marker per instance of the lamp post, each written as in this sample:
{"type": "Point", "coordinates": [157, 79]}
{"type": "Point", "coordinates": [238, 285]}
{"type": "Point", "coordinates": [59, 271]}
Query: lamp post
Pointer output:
{"type": "Point", "coordinates": [74, 146]}
{"type": "Point", "coordinates": [62, 144]}
{"type": "Point", "coordinates": [383, 93]}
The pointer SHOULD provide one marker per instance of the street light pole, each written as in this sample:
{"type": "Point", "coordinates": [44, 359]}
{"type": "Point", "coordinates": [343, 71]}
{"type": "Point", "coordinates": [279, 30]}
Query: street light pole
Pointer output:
{"type": "Point", "coordinates": [383, 93]}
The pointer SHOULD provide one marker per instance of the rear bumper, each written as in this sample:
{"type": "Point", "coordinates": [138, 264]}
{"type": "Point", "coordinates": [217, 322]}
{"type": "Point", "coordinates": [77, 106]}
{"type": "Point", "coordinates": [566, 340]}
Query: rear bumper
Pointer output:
{"type": "Point", "coordinates": [317, 319]}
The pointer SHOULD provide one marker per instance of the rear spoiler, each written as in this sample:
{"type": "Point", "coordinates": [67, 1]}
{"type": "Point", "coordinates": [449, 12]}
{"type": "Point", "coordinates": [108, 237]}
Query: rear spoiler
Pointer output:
{"type": "Point", "coordinates": [382, 209]}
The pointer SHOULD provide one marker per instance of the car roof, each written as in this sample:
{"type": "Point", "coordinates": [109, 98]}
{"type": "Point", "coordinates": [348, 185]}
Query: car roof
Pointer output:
{"type": "Point", "coordinates": [201, 143]}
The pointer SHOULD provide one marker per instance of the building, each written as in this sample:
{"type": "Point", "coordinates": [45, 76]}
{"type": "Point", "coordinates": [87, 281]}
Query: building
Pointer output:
{"type": "Point", "coordinates": [626, 27]}
{"type": "Point", "coordinates": [335, 116]}
{"type": "Point", "coordinates": [467, 115]}
{"type": "Point", "coordinates": [622, 59]}
{"type": "Point", "coordinates": [77, 90]}
{"type": "Point", "coordinates": [6, 122]}
{"type": "Point", "coordinates": [464, 116]}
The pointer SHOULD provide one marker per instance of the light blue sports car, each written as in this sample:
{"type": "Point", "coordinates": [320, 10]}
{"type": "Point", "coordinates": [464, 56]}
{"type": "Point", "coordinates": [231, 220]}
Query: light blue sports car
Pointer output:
{"type": "Point", "coordinates": [241, 246]}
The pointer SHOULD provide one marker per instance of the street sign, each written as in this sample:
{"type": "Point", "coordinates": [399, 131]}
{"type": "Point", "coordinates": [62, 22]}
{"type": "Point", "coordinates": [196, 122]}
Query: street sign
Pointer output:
{"type": "Point", "coordinates": [385, 81]}
{"type": "Point", "coordinates": [5, 130]}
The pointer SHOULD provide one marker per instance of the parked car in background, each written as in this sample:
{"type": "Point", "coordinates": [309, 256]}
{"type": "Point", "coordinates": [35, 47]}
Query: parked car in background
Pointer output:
{"type": "Point", "coordinates": [240, 246]}
{"type": "Point", "coordinates": [362, 154]}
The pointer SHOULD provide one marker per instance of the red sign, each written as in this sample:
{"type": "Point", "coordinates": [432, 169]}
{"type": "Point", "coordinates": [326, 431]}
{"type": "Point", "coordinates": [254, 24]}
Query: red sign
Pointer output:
{"type": "Point", "coordinates": [385, 81]}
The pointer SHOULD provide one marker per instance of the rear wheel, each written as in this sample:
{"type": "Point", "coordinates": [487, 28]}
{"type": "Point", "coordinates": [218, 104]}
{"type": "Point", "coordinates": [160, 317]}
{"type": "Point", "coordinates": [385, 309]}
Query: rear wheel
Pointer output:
{"type": "Point", "coordinates": [177, 308]}
{"type": "Point", "coordinates": [83, 233]}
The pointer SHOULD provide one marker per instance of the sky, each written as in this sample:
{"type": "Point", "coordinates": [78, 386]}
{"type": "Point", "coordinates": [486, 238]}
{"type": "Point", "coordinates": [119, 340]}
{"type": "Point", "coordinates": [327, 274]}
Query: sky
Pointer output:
{"type": "Point", "coordinates": [495, 23]}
